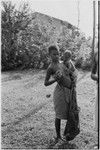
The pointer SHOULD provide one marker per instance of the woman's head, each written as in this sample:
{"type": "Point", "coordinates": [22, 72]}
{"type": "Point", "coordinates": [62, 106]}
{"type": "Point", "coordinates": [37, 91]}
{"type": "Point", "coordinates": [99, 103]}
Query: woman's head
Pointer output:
{"type": "Point", "coordinates": [54, 53]}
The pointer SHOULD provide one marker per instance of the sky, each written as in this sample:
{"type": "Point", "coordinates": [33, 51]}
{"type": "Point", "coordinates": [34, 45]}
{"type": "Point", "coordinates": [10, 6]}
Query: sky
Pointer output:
{"type": "Point", "coordinates": [66, 10]}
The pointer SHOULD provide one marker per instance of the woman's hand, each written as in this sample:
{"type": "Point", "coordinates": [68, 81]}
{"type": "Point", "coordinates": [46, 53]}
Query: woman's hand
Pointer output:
{"type": "Point", "coordinates": [94, 77]}
{"type": "Point", "coordinates": [57, 75]}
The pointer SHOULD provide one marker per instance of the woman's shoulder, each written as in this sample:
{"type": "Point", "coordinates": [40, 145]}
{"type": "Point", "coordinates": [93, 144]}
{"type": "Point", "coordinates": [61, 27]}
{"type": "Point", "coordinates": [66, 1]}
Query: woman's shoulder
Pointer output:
{"type": "Point", "coordinates": [50, 69]}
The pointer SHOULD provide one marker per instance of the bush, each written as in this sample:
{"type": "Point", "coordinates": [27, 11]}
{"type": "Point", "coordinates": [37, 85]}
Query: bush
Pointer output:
{"type": "Point", "coordinates": [12, 23]}
{"type": "Point", "coordinates": [87, 65]}
{"type": "Point", "coordinates": [24, 44]}
{"type": "Point", "coordinates": [83, 64]}
{"type": "Point", "coordinates": [78, 62]}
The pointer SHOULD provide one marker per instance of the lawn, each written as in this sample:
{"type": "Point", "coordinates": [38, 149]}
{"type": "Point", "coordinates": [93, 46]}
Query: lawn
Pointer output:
{"type": "Point", "coordinates": [27, 112]}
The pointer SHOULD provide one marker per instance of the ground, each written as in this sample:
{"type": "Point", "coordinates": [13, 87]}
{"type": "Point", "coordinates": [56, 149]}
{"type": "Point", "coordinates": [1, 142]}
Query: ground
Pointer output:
{"type": "Point", "coordinates": [27, 112]}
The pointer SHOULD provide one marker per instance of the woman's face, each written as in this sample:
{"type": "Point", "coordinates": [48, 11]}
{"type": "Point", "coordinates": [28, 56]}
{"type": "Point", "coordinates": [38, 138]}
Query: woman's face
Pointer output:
{"type": "Point", "coordinates": [54, 55]}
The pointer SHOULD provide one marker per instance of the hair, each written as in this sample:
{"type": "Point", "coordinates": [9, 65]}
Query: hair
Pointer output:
{"type": "Point", "coordinates": [52, 48]}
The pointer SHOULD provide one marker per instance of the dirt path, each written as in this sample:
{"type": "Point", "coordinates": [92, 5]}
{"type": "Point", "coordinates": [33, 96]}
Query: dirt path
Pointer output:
{"type": "Point", "coordinates": [28, 115]}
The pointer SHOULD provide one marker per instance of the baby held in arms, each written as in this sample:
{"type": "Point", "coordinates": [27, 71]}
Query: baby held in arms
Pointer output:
{"type": "Point", "coordinates": [66, 76]}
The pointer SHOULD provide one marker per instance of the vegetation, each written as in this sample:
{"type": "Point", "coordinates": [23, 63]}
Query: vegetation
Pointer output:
{"type": "Point", "coordinates": [26, 37]}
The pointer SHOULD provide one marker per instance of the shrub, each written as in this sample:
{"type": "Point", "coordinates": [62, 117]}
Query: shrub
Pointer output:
{"type": "Point", "coordinates": [78, 62]}
{"type": "Point", "coordinates": [87, 65]}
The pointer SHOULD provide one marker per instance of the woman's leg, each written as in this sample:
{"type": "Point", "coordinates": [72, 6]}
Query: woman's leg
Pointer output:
{"type": "Point", "coordinates": [57, 127]}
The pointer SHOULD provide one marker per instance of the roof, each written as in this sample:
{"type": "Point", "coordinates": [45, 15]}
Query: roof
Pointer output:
{"type": "Point", "coordinates": [69, 25]}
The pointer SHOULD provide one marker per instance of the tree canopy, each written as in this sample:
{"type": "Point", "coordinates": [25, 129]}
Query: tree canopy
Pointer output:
{"type": "Point", "coordinates": [26, 36]}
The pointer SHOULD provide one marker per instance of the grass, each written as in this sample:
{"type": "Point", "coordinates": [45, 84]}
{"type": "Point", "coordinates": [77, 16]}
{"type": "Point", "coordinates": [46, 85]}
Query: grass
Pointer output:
{"type": "Point", "coordinates": [28, 113]}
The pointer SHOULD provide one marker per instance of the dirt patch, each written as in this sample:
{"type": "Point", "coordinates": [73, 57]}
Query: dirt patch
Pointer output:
{"type": "Point", "coordinates": [28, 113]}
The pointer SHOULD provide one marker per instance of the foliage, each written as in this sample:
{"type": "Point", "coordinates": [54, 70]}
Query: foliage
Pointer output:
{"type": "Point", "coordinates": [12, 22]}
{"type": "Point", "coordinates": [26, 37]}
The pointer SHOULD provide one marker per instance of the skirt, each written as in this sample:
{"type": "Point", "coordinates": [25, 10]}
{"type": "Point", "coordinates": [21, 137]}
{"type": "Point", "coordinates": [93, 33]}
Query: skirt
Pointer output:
{"type": "Point", "coordinates": [61, 100]}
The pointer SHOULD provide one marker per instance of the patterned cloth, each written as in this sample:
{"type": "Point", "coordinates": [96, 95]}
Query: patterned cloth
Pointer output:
{"type": "Point", "coordinates": [73, 113]}
{"type": "Point", "coordinates": [61, 102]}
{"type": "Point", "coordinates": [65, 102]}
{"type": "Point", "coordinates": [62, 95]}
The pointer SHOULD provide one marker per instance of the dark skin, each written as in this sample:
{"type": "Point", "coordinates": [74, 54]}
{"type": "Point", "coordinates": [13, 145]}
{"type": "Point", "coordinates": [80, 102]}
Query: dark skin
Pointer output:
{"type": "Point", "coordinates": [66, 60]}
{"type": "Point", "coordinates": [94, 71]}
{"type": "Point", "coordinates": [54, 55]}
{"type": "Point", "coordinates": [52, 70]}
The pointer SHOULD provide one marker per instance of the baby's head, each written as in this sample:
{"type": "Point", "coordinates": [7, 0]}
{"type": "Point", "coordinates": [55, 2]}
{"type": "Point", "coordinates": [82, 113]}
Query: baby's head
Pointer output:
{"type": "Point", "coordinates": [67, 56]}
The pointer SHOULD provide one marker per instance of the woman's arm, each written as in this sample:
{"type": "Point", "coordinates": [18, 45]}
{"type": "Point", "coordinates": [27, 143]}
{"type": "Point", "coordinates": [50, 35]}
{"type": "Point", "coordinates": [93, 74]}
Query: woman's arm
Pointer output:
{"type": "Point", "coordinates": [47, 81]}
{"type": "Point", "coordinates": [94, 70]}
{"type": "Point", "coordinates": [94, 77]}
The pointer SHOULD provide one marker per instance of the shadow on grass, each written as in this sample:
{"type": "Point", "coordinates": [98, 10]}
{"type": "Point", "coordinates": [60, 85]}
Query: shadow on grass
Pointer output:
{"type": "Point", "coordinates": [64, 145]}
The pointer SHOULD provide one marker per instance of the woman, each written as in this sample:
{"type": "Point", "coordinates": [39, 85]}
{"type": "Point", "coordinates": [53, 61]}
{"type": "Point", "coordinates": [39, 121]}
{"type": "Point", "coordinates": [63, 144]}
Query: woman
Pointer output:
{"type": "Point", "coordinates": [62, 92]}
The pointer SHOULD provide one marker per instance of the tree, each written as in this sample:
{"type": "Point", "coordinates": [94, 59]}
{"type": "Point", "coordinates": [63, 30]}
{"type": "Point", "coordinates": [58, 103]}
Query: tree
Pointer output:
{"type": "Point", "coordinates": [12, 22]}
